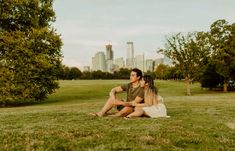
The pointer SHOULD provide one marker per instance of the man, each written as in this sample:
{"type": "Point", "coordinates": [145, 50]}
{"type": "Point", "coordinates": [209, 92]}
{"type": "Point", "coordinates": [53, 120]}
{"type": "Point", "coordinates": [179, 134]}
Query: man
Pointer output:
{"type": "Point", "coordinates": [134, 93]}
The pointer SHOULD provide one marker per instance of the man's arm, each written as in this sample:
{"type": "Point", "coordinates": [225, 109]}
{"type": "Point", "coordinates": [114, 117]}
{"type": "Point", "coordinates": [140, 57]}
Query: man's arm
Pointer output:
{"type": "Point", "coordinates": [115, 90]}
{"type": "Point", "coordinates": [136, 102]}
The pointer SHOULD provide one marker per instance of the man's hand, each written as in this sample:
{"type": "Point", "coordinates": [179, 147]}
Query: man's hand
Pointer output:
{"type": "Point", "coordinates": [132, 103]}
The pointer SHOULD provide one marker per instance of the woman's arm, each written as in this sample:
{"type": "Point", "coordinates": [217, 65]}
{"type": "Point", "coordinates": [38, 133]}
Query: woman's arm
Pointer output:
{"type": "Point", "coordinates": [133, 103]}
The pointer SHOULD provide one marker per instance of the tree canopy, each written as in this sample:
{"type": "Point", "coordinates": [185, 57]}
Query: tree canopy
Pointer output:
{"type": "Point", "coordinates": [30, 51]}
{"type": "Point", "coordinates": [185, 54]}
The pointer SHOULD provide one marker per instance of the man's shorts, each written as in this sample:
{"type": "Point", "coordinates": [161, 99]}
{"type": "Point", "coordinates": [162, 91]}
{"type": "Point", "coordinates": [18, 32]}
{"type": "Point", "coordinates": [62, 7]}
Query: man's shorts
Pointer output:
{"type": "Point", "coordinates": [120, 107]}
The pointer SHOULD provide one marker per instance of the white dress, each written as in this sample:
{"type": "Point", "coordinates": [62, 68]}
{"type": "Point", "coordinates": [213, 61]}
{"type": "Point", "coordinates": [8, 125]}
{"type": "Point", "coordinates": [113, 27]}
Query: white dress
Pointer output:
{"type": "Point", "coordinates": [158, 110]}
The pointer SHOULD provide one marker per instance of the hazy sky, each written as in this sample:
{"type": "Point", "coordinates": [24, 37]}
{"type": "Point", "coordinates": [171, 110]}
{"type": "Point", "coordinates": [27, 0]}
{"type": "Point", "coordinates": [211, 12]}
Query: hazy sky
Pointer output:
{"type": "Point", "coordinates": [87, 26]}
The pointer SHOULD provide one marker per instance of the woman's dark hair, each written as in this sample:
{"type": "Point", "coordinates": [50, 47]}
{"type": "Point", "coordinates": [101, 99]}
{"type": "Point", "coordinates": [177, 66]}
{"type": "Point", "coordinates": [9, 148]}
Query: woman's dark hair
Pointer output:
{"type": "Point", "coordinates": [138, 73]}
{"type": "Point", "coordinates": [148, 79]}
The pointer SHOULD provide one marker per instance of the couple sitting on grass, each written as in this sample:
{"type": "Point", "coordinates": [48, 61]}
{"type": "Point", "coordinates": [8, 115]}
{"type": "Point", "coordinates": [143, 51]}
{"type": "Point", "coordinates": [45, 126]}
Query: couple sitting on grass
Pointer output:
{"type": "Point", "coordinates": [142, 98]}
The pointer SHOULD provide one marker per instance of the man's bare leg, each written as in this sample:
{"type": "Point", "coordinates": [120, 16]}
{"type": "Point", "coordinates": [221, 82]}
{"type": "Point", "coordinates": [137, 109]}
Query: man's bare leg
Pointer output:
{"type": "Point", "coordinates": [108, 106]}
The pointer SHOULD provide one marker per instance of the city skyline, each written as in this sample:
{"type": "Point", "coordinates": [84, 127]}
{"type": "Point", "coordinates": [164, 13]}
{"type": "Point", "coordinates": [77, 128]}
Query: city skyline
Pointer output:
{"type": "Point", "coordinates": [108, 63]}
{"type": "Point", "coordinates": [86, 26]}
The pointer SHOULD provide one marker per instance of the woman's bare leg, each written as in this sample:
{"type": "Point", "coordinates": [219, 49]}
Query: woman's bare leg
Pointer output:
{"type": "Point", "coordinates": [125, 111]}
{"type": "Point", "coordinates": [137, 113]}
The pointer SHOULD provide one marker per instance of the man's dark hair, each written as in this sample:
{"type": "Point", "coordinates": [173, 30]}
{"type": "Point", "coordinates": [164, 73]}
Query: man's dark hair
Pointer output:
{"type": "Point", "coordinates": [138, 72]}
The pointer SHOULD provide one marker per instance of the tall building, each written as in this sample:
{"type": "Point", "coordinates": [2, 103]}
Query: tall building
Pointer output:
{"type": "Point", "coordinates": [109, 58]}
{"type": "Point", "coordinates": [165, 61]}
{"type": "Point", "coordinates": [139, 62]}
{"type": "Point", "coordinates": [130, 55]}
{"type": "Point", "coordinates": [94, 64]}
{"type": "Point", "coordinates": [157, 62]}
{"type": "Point", "coordinates": [149, 65]}
{"type": "Point", "coordinates": [109, 52]}
{"type": "Point", "coordinates": [109, 65]}
{"type": "Point", "coordinates": [98, 62]}
{"type": "Point", "coordinates": [116, 68]}
{"type": "Point", "coordinates": [119, 62]}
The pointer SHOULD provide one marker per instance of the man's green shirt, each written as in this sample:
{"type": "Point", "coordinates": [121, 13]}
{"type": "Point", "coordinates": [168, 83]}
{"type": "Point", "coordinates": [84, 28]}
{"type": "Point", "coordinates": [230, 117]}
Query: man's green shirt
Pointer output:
{"type": "Point", "coordinates": [132, 93]}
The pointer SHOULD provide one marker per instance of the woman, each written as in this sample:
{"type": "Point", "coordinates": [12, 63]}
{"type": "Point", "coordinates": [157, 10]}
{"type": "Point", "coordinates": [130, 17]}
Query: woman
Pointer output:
{"type": "Point", "coordinates": [153, 103]}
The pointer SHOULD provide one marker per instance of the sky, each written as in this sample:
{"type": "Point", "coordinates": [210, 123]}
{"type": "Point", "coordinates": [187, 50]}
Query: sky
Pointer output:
{"type": "Point", "coordinates": [86, 26]}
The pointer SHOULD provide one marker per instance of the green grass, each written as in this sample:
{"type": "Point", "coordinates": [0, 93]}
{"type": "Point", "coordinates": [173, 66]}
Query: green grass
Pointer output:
{"type": "Point", "coordinates": [203, 121]}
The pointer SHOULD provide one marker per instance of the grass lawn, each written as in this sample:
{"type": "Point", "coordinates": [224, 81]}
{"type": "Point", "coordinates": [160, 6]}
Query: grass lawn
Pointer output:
{"type": "Point", "coordinates": [204, 121]}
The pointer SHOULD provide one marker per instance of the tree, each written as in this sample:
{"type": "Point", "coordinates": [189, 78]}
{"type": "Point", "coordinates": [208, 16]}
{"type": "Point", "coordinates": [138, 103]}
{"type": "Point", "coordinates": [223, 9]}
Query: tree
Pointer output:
{"type": "Point", "coordinates": [174, 73]}
{"type": "Point", "coordinates": [86, 75]}
{"type": "Point", "coordinates": [210, 78]}
{"type": "Point", "coordinates": [186, 55]}
{"type": "Point", "coordinates": [221, 40]}
{"type": "Point", "coordinates": [30, 51]}
{"type": "Point", "coordinates": [97, 74]}
{"type": "Point", "coordinates": [74, 73]}
{"type": "Point", "coordinates": [161, 71]}
{"type": "Point", "coordinates": [124, 73]}
{"type": "Point", "coordinates": [232, 47]}
{"type": "Point", "coordinates": [152, 74]}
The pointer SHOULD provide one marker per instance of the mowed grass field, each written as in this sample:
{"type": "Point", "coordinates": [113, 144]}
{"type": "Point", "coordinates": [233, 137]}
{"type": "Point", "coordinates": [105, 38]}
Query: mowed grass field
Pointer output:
{"type": "Point", "coordinates": [204, 121]}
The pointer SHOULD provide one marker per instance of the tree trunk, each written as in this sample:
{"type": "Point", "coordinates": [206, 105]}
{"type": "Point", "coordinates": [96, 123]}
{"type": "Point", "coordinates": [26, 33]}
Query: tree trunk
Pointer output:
{"type": "Point", "coordinates": [225, 86]}
{"type": "Point", "coordinates": [188, 83]}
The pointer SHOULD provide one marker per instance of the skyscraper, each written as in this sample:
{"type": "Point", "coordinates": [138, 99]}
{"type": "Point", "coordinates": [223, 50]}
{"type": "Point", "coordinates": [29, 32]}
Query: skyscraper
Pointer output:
{"type": "Point", "coordinates": [149, 65]}
{"type": "Point", "coordinates": [119, 62]}
{"type": "Point", "coordinates": [94, 64]}
{"type": "Point", "coordinates": [139, 62]}
{"type": "Point", "coordinates": [98, 62]}
{"type": "Point", "coordinates": [109, 52]}
{"type": "Point", "coordinates": [130, 55]}
{"type": "Point", "coordinates": [109, 58]}
{"type": "Point", "coordinates": [157, 62]}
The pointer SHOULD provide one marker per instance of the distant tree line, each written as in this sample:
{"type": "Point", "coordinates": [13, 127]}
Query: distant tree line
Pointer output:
{"type": "Point", "coordinates": [73, 73]}
{"type": "Point", "coordinates": [163, 72]}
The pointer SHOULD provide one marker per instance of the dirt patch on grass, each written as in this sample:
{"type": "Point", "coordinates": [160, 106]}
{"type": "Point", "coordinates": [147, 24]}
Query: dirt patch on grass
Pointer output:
{"type": "Point", "coordinates": [231, 125]}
